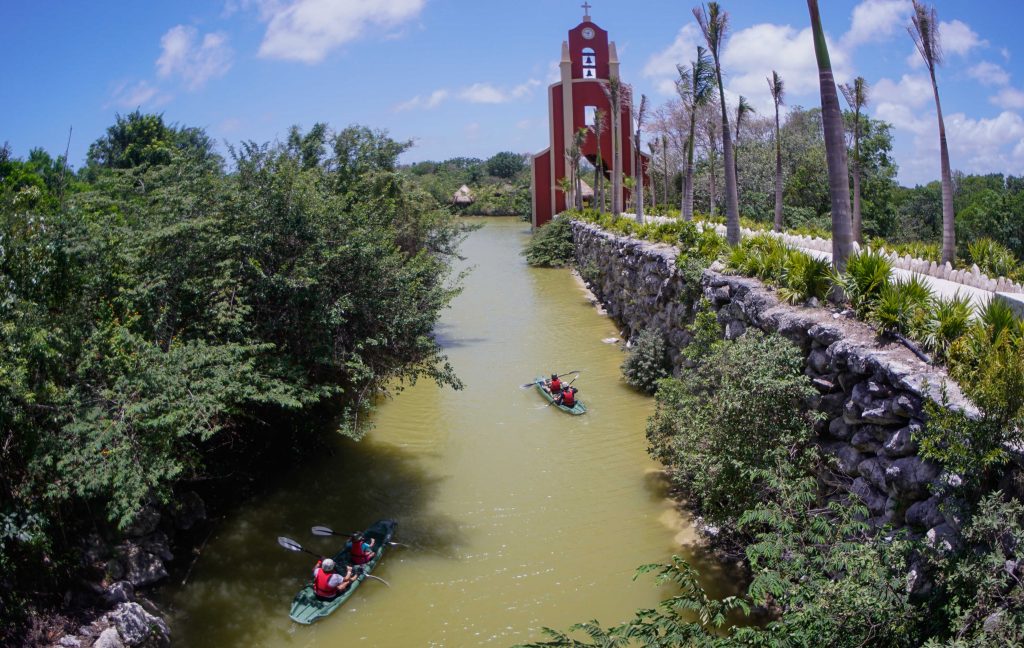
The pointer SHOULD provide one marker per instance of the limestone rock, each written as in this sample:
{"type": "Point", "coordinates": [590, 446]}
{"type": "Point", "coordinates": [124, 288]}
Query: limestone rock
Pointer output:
{"type": "Point", "coordinates": [847, 457]}
{"type": "Point", "coordinates": [925, 514]}
{"type": "Point", "coordinates": [873, 471]}
{"type": "Point", "coordinates": [109, 638]}
{"type": "Point", "coordinates": [69, 641]}
{"type": "Point", "coordinates": [145, 521]}
{"type": "Point", "coordinates": [944, 538]}
{"type": "Point", "coordinates": [872, 498]}
{"type": "Point", "coordinates": [137, 566]}
{"type": "Point", "coordinates": [881, 415]}
{"type": "Point", "coordinates": [865, 441]}
{"type": "Point", "coordinates": [908, 477]}
{"type": "Point", "coordinates": [138, 627]}
{"type": "Point", "coordinates": [119, 592]}
{"type": "Point", "coordinates": [818, 361]}
{"type": "Point", "coordinates": [839, 429]}
{"type": "Point", "coordinates": [901, 443]}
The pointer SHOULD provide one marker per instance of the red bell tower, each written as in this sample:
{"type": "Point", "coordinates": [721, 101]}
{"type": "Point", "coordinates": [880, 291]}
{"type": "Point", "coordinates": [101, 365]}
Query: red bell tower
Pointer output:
{"type": "Point", "coordinates": [588, 60]}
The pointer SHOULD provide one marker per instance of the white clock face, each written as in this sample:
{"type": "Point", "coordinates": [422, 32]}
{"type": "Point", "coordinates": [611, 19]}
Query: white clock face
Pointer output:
{"type": "Point", "coordinates": [588, 33]}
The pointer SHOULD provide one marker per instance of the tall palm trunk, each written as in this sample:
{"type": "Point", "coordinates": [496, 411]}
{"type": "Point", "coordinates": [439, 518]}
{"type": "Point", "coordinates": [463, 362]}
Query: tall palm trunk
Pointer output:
{"type": "Point", "coordinates": [924, 30]}
{"type": "Point", "coordinates": [776, 87]}
{"type": "Point", "coordinates": [664, 165]}
{"type": "Point", "coordinates": [614, 91]}
{"type": "Point", "coordinates": [835, 146]}
{"type": "Point", "coordinates": [948, 229]}
{"type": "Point", "coordinates": [638, 159]}
{"type": "Point", "coordinates": [599, 162]}
{"type": "Point", "coordinates": [714, 22]}
{"type": "Point", "coordinates": [688, 182]}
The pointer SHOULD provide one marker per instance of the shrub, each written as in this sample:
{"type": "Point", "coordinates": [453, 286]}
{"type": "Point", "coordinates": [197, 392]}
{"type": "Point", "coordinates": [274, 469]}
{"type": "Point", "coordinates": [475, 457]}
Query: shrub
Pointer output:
{"type": "Point", "coordinates": [867, 273]}
{"type": "Point", "coordinates": [762, 256]}
{"type": "Point", "coordinates": [551, 246]}
{"type": "Point", "coordinates": [647, 362]}
{"type": "Point", "coordinates": [946, 321]}
{"type": "Point", "coordinates": [804, 277]}
{"type": "Point", "coordinates": [994, 259]}
{"type": "Point", "coordinates": [739, 412]}
{"type": "Point", "coordinates": [902, 304]}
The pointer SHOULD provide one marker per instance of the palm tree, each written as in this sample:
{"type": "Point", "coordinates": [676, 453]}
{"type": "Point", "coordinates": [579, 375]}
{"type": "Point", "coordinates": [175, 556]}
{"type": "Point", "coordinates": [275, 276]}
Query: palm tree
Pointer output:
{"type": "Point", "coordinates": [696, 87]}
{"type": "Point", "coordinates": [715, 23]}
{"type": "Point", "coordinates": [638, 159]}
{"type": "Point", "coordinates": [778, 90]}
{"type": "Point", "coordinates": [664, 164]}
{"type": "Point", "coordinates": [925, 32]}
{"type": "Point", "coordinates": [856, 95]}
{"type": "Point", "coordinates": [599, 163]}
{"type": "Point", "coordinates": [616, 93]}
{"type": "Point", "coordinates": [742, 108]}
{"type": "Point", "coordinates": [711, 132]}
{"type": "Point", "coordinates": [835, 146]}
{"type": "Point", "coordinates": [576, 153]}
{"type": "Point", "coordinates": [652, 146]}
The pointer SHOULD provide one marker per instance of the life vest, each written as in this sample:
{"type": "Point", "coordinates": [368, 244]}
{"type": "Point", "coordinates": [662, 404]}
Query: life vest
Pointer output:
{"type": "Point", "coordinates": [359, 556]}
{"type": "Point", "coordinates": [569, 398]}
{"type": "Point", "coordinates": [555, 386]}
{"type": "Point", "coordinates": [321, 584]}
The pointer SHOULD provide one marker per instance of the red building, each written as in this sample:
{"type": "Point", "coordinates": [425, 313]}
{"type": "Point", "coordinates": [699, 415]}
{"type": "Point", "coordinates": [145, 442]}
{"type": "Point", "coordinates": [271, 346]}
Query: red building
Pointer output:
{"type": "Point", "coordinates": [588, 61]}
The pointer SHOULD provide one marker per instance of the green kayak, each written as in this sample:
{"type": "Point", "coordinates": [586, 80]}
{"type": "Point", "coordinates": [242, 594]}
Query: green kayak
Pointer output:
{"type": "Point", "coordinates": [575, 410]}
{"type": "Point", "coordinates": [307, 607]}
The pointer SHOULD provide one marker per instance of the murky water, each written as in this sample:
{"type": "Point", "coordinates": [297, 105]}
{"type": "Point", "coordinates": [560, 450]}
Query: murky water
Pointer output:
{"type": "Point", "coordinates": [519, 516]}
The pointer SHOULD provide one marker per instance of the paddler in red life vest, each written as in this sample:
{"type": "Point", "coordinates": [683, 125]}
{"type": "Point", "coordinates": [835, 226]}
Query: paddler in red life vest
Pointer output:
{"type": "Point", "coordinates": [554, 385]}
{"type": "Point", "coordinates": [362, 550]}
{"type": "Point", "coordinates": [326, 583]}
{"type": "Point", "coordinates": [568, 397]}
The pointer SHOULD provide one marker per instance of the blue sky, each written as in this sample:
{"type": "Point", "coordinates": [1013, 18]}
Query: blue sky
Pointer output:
{"type": "Point", "coordinates": [465, 77]}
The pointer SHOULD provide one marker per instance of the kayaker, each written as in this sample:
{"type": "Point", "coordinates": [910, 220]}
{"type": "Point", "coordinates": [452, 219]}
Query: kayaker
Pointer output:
{"type": "Point", "coordinates": [568, 397]}
{"type": "Point", "coordinates": [362, 550]}
{"type": "Point", "coordinates": [554, 385]}
{"type": "Point", "coordinates": [327, 584]}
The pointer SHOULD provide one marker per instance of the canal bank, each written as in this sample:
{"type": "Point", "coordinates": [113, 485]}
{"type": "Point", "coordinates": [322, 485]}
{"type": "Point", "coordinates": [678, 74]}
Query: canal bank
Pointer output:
{"type": "Point", "coordinates": [518, 516]}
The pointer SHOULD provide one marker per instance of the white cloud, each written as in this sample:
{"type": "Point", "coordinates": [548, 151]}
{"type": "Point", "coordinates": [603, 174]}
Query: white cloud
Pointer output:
{"type": "Point", "coordinates": [957, 37]}
{"type": "Point", "coordinates": [1009, 98]}
{"type": "Point", "coordinates": [433, 100]}
{"type": "Point", "coordinates": [1005, 53]}
{"type": "Point", "coordinates": [661, 66]}
{"type": "Point", "coordinates": [876, 20]}
{"type": "Point", "coordinates": [989, 74]}
{"type": "Point", "coordinates": [752, 53]}
{"type": "Point", "coordinates": [135, 95]}
{"type": "Point", "coordinates": [196, 62]}
{"type": "Point", "coordinates": [306, 30]}
{"type": "Point", "coordinates": [905, 104]}
{"type": "Point", "coordinates": [487, 93]}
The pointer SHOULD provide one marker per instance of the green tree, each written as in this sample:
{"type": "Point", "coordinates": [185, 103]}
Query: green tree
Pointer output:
{"type": "Point", "coordinates": [505, 165]}
{"type": "Point", "coordinates": [856, 95]}
{"type": "Point", "coordinates": [696, 87]}
{"type": "Point", "coordinates": [777, 88]}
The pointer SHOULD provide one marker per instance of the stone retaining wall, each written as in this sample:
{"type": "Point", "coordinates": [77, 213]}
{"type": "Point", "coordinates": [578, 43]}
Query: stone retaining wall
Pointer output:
{"type": "Point", "coordinates": [871, 394]}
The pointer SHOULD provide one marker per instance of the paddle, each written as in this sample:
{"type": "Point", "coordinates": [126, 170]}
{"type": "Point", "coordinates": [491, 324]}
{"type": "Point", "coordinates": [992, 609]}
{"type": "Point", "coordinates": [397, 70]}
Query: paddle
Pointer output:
{"type": "Point", "coordinates": [531, 384]}
{"type": "Point", "coordinates": [326, 531]}
{"type": "Point", "coordinates": [291, 545]}
{"type": "Point", "coordinates": [569, 385]}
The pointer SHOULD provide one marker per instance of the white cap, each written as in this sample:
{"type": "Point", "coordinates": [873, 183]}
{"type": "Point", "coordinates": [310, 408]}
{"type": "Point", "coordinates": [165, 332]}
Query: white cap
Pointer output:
{"type": "Point", "coordinates": [327, 565]}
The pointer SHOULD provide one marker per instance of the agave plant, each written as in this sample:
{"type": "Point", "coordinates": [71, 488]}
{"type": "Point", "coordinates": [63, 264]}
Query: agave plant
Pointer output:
{"type": "Point", "coordinates": [804, 277]}
{"type": "Point", "coordinates": [867, 273]}
{"type": "Point", "coordinates": [902, 305]}
{"type": "Point", "coordinates": [947, 321]}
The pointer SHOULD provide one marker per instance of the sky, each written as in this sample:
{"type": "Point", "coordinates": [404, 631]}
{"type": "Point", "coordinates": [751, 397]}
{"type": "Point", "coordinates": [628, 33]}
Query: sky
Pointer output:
{"type": "Point", "coordinates": [468, 77]}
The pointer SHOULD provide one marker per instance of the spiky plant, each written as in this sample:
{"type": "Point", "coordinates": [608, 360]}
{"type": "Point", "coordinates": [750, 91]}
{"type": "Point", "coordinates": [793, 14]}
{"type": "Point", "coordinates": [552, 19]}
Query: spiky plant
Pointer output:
{"type": "Point", "coordinates": [856, 95]}
{"type": "Point", "coordinates": [835, 146]}
{"type": "Point", "coordinates": [714, 23]}
{"type": "Point", "coordinates": [867, 273]}
{"type": "Point", "coordinates": [924, 30]}
{"type": "Point", "coordinates": [902, 305]}
{"type": "Point", "coordinates": [696, 88]}
{"type": "Point", "coordinates": [804, 277]}
{"type": "Point", "coordinates": [947, 321]}
{"type": "Point", "coordinates": [994, 258]}
{"type": "Point", "coordinates": [777, 88]}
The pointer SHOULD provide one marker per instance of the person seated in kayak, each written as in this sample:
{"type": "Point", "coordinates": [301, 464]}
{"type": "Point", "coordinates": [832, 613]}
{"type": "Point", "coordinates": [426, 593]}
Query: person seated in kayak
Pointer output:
{"type": "Point", "coordinates": [568, 396]}
{"type": "Point", "coordinates": [362, 549]}
{"type": "Point", "coordinates": [554, 385]}
{"type": "Point", "coordinates": [327, 583]}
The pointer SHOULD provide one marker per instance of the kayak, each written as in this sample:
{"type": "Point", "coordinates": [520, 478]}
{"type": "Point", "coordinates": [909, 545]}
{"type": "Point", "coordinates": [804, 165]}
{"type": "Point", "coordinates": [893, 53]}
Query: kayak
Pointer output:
{"type": "Point", "coordinates": [307, 607]}
{"type": "Point", "coordinates": [575, 410]}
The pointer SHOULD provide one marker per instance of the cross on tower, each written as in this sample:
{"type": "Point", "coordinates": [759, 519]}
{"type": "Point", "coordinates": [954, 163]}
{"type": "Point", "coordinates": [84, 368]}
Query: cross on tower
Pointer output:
{"type": "Point", "coordinates": [586, 9]}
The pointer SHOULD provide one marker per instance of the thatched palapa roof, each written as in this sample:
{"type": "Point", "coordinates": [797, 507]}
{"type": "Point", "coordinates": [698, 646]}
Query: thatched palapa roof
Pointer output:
{"type": "Point", "coordinates": [463, 196]}
{"type": "Point", "coordinates": [586, 190]}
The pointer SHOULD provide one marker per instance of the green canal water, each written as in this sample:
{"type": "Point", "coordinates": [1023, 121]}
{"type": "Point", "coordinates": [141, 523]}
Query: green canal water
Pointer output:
{"type": "Point", "coordinates": [518, 516]}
